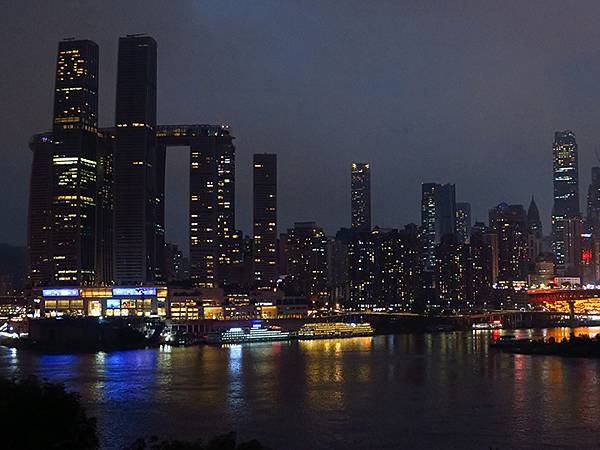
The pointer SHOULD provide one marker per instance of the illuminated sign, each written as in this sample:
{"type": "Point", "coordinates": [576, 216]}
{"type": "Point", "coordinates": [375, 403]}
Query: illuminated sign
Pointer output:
{"type": "Point", "coordinates": [113, 303]}
{"type": "Point", "coordinates": [139, 291]}
{"type": "Point", "coordinates": [60, 292]}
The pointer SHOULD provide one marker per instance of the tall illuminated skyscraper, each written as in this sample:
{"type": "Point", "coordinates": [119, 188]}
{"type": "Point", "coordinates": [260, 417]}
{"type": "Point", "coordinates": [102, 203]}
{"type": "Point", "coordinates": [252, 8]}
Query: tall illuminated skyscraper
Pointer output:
{"type": "Point", "coordinates": [361, 196]}
{"type": "Point", "coordinates": [212, 207]}
{"type": "Point", "coordinates": [438, 218]}
{"type": "Point", "coordinates": [136, 225]}
{"type": "Point", "coordinates": [566, 190]}
{"type": "Point", "coordinates": [265, 221]}
{"type": "Point", "coordinates": [74, 164]}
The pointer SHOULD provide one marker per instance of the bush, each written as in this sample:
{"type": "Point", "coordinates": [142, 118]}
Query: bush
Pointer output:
{"type": "Point", "coordinates": [43, 415]}
{"type": "Point", "coordinates": [223, 442]}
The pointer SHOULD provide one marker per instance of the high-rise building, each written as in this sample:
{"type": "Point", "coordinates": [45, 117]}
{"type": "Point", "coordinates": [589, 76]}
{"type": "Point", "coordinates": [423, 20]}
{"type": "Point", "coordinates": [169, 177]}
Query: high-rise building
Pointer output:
{"type": "Point", "coordinates": [510, 224]}
{"type": "Point", "coordinates": [104, 207]}
{"type": "Point", "coordinates": [398, 280]}
{"type": "Point", "coordinates": [438, 218]}
{"type": "Point", "coordinates": [214, 240]}
{"type": "Point", "coordinates": [463, 221]}
{"type": "Point", "coordinates": [265, 221]}
{"type": "Point", "coordinates": [137, 245]}
{"type": "Point", "coordinates": [39, 236]}
{"type": "Point", "coordinates": [361, 196]}
{"type": "Point", "coordinates": [593, 203]}
{"type": "Point", "coordinates": [535, 233]}
{"type": "Point", "coordinates": [452, 271]}
{"type": "Point", "coordinates": [483, 265]}
{"type": "Point", "coordinates": [74, 164]}
{"type": "Point", "coordinates": [362, 271]}
{"type": "Point", "coordinates": [573, 232]}
{"type": "Point", "coordinates": [307, 260]}
{"type": "Point", "coordinates": [566, 190]}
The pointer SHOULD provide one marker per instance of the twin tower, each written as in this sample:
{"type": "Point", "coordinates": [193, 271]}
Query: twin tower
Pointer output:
{"type": "Point", "coordinates": [96, 209]}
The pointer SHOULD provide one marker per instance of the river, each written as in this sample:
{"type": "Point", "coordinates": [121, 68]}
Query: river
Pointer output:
{"type": "Point", "coordinates": [413, 391]}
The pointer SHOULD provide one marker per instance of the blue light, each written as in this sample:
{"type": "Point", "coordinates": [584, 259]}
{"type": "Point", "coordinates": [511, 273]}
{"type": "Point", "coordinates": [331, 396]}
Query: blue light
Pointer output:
{"type": "Point", "coordinates": [113, 303]}
{"type": "Point", "coordinates": [132, 292]}
{"type": "Point", "coordinates": [60, 292]}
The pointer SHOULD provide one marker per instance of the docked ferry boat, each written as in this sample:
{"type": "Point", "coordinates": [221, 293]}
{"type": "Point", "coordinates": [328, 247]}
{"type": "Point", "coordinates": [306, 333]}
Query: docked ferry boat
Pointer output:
{"type": "Point", "coordinates": [239, 335]}
{"type": "Point", "coordinates": [324, 330]}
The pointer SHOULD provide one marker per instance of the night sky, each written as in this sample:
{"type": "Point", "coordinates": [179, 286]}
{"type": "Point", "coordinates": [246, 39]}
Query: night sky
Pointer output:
{"type": "Point", "coordinates": [448, 91]}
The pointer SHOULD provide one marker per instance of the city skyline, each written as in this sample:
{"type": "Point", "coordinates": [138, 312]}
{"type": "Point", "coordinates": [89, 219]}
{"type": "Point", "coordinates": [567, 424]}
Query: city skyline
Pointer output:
{"type": "Point", "coordinates": [493, 154]}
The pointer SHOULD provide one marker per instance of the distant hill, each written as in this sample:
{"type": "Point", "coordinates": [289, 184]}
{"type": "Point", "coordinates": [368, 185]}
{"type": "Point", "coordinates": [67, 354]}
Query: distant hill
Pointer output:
{"type": "Point", "coordinates": [13, 264]}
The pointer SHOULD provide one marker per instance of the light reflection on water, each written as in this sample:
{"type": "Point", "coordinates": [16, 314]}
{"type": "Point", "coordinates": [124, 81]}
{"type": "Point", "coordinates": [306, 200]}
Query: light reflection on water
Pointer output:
{"type": "Point", "coordinates": [446, 390]}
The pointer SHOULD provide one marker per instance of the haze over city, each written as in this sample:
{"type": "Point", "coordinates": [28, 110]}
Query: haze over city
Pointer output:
{"type": "Point", "coordinates": [455, 92]}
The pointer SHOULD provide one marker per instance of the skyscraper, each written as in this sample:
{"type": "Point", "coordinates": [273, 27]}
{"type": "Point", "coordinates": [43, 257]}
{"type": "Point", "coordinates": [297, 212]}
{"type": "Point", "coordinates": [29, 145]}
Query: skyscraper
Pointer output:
{"type": "Point", "coordinates": [362, 271]}
{"type": "Point", "coordinates": [265, 221]}
{"type": "Point", "coordinates": [438, 217]}
{"type": "Point", "coordinates": [212, 207]}
{"type": "Point", "coordinates": [74, 163]}
{"type": "Point", "coordinates": [535, 235]}
{"type": "Point", "coordinates": [361, 196]}
{"type": "Point", "coordinates": [573, 233]}
{"type": "Point", "coordinates": [566, 190]}
{"type": "Point", "coordinates": [593, 203]}
{"type": "Point", "coordinates": [452, 271]}
{"type": "Point", "coordinates": [510, 224]}
{"type": "Point", "coordinates": [483, 245]}
{"type": "Point", "coordinates": [136, 223]}
{"type": "Point", "coordinates": [39, 244]}
{"type": "Point", "coordinates": [307, 260]}
{"type": "Point", "coordinates": [463, 221]}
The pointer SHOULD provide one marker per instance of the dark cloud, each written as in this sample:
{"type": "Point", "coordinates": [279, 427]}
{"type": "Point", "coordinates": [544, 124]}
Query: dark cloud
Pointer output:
{"type": "Point", "coordinates": [466, 92]}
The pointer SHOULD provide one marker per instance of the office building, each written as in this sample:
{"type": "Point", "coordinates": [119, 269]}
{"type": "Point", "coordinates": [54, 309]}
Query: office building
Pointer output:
{"type": "Point", "coordinates": [138, 231]}
{"type": "Point", "coordinates": [566, 191]}
{"type": "Point", "coordinates": [74, 164]}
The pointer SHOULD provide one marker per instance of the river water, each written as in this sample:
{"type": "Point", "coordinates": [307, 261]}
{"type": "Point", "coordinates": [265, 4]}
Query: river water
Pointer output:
{"type": "Point", "coordinates": [414, 391]}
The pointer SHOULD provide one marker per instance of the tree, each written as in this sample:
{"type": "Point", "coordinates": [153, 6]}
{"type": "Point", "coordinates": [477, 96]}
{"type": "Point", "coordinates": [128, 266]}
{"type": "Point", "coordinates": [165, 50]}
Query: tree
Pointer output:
{"type": "Point", "coordinates": [42, 415]}
{"type": "Point", "coordinates": [222, 442]}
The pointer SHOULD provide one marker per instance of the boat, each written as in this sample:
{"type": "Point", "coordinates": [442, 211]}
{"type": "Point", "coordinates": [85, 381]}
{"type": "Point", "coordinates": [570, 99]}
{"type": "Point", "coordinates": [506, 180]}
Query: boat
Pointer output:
{"type": "Point", "coordinates": [495, 325]}
{"type": "Point", "coordinates": [240, 335]}
{"type": "Point", "coordinates": [324, 330]}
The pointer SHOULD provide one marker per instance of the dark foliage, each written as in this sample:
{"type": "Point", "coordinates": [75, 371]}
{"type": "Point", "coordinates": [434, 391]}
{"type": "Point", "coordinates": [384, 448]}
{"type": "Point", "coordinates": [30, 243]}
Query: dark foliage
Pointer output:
{"type": "Point", "coordinates": [41, 415]}
{"type": "Point", "coordinates": [224, 442]}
